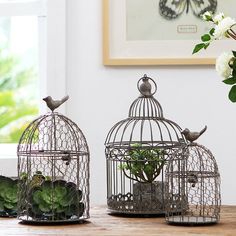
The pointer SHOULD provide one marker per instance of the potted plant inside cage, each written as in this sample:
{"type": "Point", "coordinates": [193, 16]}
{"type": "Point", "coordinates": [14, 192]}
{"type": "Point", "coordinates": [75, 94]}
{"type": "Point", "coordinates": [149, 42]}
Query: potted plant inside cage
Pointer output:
{"type": "Point", "coordinates": [143, 164]}
{"type": "Point", "coordinates": [56, 200]}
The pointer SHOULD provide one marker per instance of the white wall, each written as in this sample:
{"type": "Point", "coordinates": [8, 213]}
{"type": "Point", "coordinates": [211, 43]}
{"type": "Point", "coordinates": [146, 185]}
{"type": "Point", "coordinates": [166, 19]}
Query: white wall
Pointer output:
{"type": "Point", "coordinates": [100, 96]}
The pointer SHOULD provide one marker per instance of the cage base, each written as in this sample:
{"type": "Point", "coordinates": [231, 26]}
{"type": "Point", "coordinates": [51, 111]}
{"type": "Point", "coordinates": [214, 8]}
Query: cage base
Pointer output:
{"type": "Point", "coordinates": [7, 216]}
{"type": "Point", "coordinates": [191, 220]}
{"type": "Point", "coordinates": [52, 222]}
{"type": "Point", "coordinates": [128, 207]}
{"type": "Point", "coordinates": [136, 213]}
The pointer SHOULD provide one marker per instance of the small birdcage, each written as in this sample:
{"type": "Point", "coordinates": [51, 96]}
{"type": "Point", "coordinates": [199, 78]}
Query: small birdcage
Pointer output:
{"type": "Point", "coordinates": [194, 179]}
{"type": "Point", "coordinates": [53, 170]}
{"type": "Point", "coordinates": [137, 150]}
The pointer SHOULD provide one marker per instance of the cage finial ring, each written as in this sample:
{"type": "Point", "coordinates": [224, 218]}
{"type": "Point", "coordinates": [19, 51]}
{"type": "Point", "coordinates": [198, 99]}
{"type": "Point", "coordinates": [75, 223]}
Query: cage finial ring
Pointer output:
{"type": "Point", "coordinates": [145, 88]}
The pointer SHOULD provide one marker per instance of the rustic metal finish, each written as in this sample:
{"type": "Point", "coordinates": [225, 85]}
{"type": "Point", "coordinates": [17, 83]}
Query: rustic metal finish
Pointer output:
{"type": "Point", "coordinates": [137, 150]}
{"type": "Point", "coordinates": [53, 153]}
{"type": "Point", "coordinates": [194, 180]}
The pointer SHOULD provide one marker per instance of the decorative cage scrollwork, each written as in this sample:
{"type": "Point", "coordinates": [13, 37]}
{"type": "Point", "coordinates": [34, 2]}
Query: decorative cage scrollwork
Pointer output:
{"type": "Point", "coordinates": [137, 150]}
{"type": "Point", "coordinates": [53, 171]}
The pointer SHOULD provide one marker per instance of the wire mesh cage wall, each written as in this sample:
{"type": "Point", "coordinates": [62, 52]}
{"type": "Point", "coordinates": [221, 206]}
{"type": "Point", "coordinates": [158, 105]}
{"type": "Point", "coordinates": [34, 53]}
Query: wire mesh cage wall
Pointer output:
{"type": "Point", "coordinates": [195, 181]}
{"type": "Point", "coordinates": [137, 150]}
{"type": "Point", "coordinates": [53, 170]}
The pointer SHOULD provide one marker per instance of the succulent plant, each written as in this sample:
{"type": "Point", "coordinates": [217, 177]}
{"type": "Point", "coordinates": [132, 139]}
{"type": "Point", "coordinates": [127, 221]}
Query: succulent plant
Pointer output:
{"type": "Point", "coordinates": [143, 164]}
{"type": "Point", "coordinates": [36, 179]}
{"type": "Point", "coordinates": [55, 200]}
{"type": "Point", "coordinates": [8, 196]}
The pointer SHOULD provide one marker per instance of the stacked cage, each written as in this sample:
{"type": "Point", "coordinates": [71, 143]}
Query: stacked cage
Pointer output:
{"type": "Point", "coordinates": [194, 179]}
{"type": "Point", "coordinates": [53, 170]}
{"type": "Point", "coordinates": [137, 151]}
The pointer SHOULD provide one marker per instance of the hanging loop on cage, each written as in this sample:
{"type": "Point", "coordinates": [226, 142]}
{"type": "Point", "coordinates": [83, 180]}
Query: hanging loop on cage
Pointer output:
{"type": "Point", "coordinates": [145, 88]}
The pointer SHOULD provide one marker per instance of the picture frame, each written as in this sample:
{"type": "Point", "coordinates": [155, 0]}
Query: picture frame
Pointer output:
{"type": "Point", "coordinates": [120, 51]}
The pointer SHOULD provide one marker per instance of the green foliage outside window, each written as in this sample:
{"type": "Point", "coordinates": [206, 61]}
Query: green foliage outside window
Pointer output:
{"type": "Point", "coordinates": [18, 93]}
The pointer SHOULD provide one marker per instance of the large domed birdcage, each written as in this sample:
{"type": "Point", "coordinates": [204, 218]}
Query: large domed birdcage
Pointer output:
{"type": "Point", "coordinates": [137, 150]}
{"type": "Point", "coordinates": [53, 170]}
{"type": "Point", "coordinates": [195, 181]}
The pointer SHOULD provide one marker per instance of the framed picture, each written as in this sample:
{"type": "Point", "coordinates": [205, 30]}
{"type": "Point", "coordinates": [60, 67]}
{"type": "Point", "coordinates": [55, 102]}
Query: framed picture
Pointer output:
{"type": "Point", "coordinates": [160, 32]}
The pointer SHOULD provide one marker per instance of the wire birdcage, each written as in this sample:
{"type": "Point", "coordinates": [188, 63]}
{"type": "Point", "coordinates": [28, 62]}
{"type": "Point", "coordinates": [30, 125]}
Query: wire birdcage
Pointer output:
{"type": "Point", "coordinates": [53, 170]}
{"type": "Point", "coordinates": [137, 150]}
{"type": "Point", "coordinates": [195, 181]}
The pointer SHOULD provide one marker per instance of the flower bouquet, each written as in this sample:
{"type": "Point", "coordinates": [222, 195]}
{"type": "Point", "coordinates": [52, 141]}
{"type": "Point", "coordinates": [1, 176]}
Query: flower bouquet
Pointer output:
{"type": "Point", "coordinates": [223, 28]}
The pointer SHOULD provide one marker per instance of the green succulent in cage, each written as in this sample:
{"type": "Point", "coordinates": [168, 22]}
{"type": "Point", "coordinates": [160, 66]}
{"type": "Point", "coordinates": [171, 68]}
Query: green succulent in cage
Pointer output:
{"type": "Point", "coordinates": [56, 200]}
{"type": "Point", "coordinates": [143, 164]}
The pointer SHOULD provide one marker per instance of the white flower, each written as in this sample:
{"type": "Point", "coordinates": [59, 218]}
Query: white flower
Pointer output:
{"type": "Point", "coordinates": [223, 26]}
{"type": "Point", "coordinates": [218, 18]}
{"type": "Point", "coordinates": [222, 64]}
{"type": "Point", "coordinates": [207, 16]}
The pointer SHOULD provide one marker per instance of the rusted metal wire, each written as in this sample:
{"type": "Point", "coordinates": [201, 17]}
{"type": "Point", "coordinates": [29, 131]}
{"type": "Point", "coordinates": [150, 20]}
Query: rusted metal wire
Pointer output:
{"type": "Point", "coordinates": [137, 151]}
{"type": "Point", "coordinates": [53, 168]}
{"type": "Point", "coordinates": [193, 181]}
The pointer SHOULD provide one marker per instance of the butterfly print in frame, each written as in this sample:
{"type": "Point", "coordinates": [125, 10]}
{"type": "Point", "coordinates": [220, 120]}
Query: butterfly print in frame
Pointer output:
{"type": "Point", "coordinates": [172, 9]}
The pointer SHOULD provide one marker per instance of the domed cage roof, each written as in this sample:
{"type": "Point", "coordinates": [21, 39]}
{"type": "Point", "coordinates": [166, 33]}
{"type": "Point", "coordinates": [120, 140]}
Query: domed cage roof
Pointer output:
{"type": "Point", "coordinates": [52, 133]}
{"type": "Point", "coordinates": [145, 123]}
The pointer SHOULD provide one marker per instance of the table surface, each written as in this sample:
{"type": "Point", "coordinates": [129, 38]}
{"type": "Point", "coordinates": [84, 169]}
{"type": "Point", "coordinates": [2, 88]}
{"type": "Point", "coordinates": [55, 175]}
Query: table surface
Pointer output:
{"type": "Point", "coordinates": [101, 223]}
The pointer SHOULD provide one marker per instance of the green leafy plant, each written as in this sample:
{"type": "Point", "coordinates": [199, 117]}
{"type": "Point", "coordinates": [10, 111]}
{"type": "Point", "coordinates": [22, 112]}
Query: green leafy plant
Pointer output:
{"type": "Point", "coordinates": [8, 196]}
{"type": "Point", "coordinates": [143, 164]}
{"type": "Point", "coordinates": [55, 200]}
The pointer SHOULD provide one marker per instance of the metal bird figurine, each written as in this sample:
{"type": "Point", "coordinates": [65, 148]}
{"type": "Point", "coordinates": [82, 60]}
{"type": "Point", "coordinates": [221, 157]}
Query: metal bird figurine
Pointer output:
{"type": "Point", "coordinates": [145, 87]}
{"type": "Point", "coordinates": [53, 104]}
{"type": "Point", "coordinates": [192, 136]}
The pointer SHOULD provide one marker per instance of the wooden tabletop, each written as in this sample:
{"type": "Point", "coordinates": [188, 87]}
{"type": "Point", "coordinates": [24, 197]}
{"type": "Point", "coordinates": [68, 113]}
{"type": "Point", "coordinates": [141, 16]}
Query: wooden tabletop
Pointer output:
{"type": "Point", "coordinates": [101, 223]}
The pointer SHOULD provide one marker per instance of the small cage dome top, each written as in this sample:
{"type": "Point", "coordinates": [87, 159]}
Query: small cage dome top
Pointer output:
{"type": "Point", "coordinates": [200, 163]}
{"type": "Point", "coordinates": [146, 123]}
{"type": "Point", "coordinates": [52, 133]}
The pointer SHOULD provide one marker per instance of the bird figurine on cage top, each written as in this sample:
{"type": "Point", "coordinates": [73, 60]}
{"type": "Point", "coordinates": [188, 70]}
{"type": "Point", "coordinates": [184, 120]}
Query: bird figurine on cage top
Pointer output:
{"type": "Point", "coordinates": [192, 136]}
{"type": "Point", "coordinates": [53, 104]}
